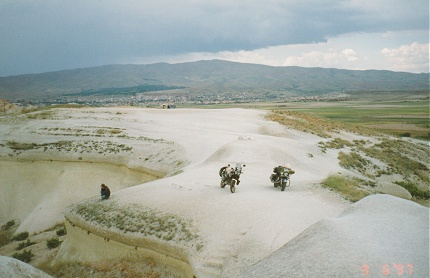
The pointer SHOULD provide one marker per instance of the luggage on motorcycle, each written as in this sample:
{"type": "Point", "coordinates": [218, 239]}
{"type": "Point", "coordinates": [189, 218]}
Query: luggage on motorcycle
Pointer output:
{"type": "Point", "coordinates": [221, 171]}
{"type": "Point", "coordinates": [273, 177]}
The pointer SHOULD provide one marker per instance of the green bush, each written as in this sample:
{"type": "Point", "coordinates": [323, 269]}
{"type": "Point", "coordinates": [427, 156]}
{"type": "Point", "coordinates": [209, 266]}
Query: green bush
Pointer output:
{"type": "Point", "coordinates": [61, 232]}
{"type": "Point", "coordinates": [414, 190]}
{"type": "Point", "coordinates": [21, 236]}
{"type": "Point", "coordinates": [5, 238]}
{"type": "Point", "coordinates": [22, 245]}
{"type": "Point", "coordinates": [24, 256]}
{"type": "Point", "coordinates": [53, 242]}
{"type": "Point", "coordinates": [9, 225]}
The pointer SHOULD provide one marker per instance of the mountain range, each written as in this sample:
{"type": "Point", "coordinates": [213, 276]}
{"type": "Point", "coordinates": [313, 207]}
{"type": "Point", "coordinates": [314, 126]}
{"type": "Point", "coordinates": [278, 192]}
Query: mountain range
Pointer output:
{"type": "Point", "coordinates": [214, 76]}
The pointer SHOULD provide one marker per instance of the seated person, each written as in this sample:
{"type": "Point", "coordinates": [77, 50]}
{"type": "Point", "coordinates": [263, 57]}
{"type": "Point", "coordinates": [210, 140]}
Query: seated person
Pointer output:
{"type": "Point", "coordinates": [104, 192]}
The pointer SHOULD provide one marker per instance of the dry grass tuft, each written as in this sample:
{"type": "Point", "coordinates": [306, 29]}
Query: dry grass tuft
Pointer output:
{"type": "Point", "coordinates": [133, 218]}
{"type": "Point", "coordinates": [122, 268]}
{"type": "Point", "coordinates": [348, 188]}
{"type": "Point", "coordinates": [314, 125]}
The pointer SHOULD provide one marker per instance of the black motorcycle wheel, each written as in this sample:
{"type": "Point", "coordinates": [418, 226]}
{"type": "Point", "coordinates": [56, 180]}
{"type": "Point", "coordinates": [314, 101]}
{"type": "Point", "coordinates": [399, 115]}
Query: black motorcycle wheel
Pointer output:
{"type": "Point", "coordinates": [233, 187]}
{"type": "Point", "coordinates": [283, 184]}
{"type": "Point", "coordinates": [222, 184]}
{"type": "Point", "coordinates": [275, 184]}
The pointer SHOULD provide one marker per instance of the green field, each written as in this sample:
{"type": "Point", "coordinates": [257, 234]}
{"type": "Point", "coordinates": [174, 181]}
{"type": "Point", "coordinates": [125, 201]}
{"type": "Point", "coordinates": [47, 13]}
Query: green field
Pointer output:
{"type": "Point", "coordinates": [398, 117]}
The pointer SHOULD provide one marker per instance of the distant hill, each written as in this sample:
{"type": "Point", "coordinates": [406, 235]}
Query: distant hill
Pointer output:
{"type": "Point", "coordinates": [208, 77]}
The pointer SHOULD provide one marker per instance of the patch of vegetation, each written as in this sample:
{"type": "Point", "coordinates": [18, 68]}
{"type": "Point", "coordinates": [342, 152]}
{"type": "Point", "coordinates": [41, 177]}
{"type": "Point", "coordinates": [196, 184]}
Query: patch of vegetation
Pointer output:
{"type": "Point", "coordinates": [20, 236]}
{"type": "Point", "coordinates": [405, 134]}
{"type": "Point", "coordinates": [302, 122]}
{"type": "Point", "coordinates": [85, 131]}
{"type": "Point", "coordinates": [135, 219]}
{"type": "Point", "coordinates": [414, 190]}
{"type": "Point", "coordinates": [405, 158]}
{"type": "Point", "coordinates": [393, 117]}
{"type": "Point", "coordinates": [313, 124]}
{"type": "Point", "coordinates": [24, 256]}
{"type": "Point", "coordinates": [347, 187]}
{"type": "Point", "coordinates": [44, 115]}
{"type": "Point", "coordinates": [336, 143]}
{"type": "Point", "coordinates": [73, 146]}
{"type": "Point", "coordinates": [8, 225]}
{"type": "Point", "coordinates": [61, 232]}
{"type": "Point", "coordinates": [22, 146]}
{"type": "Point", "coordinates": [398, 156]}
{"type": "Point", "coordinates": [53, 228]}
{"type": "Point", "coordinates": [44, 108]}
{"type": "Point", "coordinates": [53, 243]}
{"type": "Point", "coordinates": [132, 267]}
{"type": "Point", "coordinates": [199, 246]}
{"type": "Point", "coordinates": [109, 131]}
{"type": "Point", "coordinates": [27, 243]}
{"type": "Point", "coordinates": [6, 232]}
{"type": "Point", "coordinates": [353, 160]}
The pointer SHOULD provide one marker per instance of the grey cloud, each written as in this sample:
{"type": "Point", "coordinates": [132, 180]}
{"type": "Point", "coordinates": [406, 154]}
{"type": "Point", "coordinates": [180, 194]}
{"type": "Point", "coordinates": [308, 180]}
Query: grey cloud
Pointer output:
{"type": "Point", "coordinates": [38, 36]}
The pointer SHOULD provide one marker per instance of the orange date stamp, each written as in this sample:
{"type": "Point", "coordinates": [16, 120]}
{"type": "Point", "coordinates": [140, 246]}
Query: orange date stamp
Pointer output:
{"type": "Point", "coordinates": [389, 269]}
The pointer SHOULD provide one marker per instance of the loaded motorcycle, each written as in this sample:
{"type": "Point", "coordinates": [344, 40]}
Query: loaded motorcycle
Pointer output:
{"type": "Point", "coordinates": [230, 176]}
{"type": "Point", "coordinates": [281, 177]}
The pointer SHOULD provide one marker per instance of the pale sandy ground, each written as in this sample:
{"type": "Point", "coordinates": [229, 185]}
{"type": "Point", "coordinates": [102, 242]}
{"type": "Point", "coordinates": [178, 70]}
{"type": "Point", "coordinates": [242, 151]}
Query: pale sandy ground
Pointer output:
{"type": "Point", "coordinates": [379, 236]}
{"type": "Point", "coordinates": [10, 267]}
{"type": "Point", "coordinates": [235, 230]}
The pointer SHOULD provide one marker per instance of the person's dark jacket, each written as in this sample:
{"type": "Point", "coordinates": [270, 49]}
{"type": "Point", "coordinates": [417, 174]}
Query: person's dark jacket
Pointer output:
{"type": "Point", "coordinates": [105, 192]}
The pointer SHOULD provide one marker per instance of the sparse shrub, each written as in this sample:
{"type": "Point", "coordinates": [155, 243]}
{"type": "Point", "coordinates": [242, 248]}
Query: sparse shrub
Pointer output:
{"type": "Point", "coordinates": [24, 244]}
{"type": "Point", "coordinates": [24, 256]}
{"type": "Point", "coordinates": [347, 187]}
{"type": "Point", "coordinates": [8, 225]}
{"type": "Point", "coordinates": [199, 246]}
{"type": "Point", "coordinates": [132, 267]}
{"type": "Point", "coordinates": [6, 233]}
{"type": "Point", "coordinates": [21, 236]}
{"type": "Point", "coordinates": [21, 146]}
{"type": "Point", "coordinates": [414, 190]}
{"type": "Point", "coordinates": [101, 267]}
{"type": "Point", "coordinates": [61, 232]}
{"type": "Point", "coordinates": [53, 242]}
{"type": "Point", "coordinates": [370, 183]}
{"type": "Point", "coordinates": [353, 161]}
{"type": "Point", "coordinates": [337, 143]}
{"type": "Point", "coordinates": [303, 122]}
{"type": "Point", "coordinates": [133, 219]}
{"type": "Point", "coordinates": [403, 158]}
{"type": "Point", "coordinates": [115, 131]}
{"type": "Point", "coordinates": [5, 238]}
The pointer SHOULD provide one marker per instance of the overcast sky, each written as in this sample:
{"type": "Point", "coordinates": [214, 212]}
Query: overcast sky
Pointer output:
{"type": "Point", "coordinates": [49, 35]}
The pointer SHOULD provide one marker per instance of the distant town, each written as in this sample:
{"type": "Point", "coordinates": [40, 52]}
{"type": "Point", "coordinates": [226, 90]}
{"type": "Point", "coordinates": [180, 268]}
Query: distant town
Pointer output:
{"type": "Point", "coordinates": [172, 100]}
